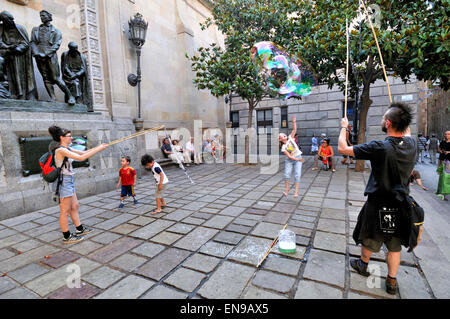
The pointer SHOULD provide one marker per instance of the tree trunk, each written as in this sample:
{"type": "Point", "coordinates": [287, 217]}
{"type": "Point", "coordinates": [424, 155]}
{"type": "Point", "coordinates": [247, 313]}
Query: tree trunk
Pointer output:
{"type": "Point", "coordinates": [251, 107]}
{"type": "Point", "coordinates": [366, 102]}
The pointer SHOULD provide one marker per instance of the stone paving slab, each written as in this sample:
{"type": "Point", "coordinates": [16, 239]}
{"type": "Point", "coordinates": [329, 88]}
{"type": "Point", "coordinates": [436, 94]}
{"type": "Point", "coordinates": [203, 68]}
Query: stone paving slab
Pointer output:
{"type": "Point", "coordinates": [331, 225]}
{"type": "Point", "coordinates": [270, 280]}
{"type": "Point", "coordinates": [120, 246]}
{"type": "Point", "coordinates": [250, 250]}
{"type": "Point", "coordinates": [180, 228]}
{"type": "Point", "coordinates": [258, 293]}
{"type": "Point", "coordinates": [185, 279]}
{"type": "Point", "coordinates": [128, 262]}
{"type": "Point", "coordinates": [84, 292]}
{"type": "Point", "coordinates": [267, 230]}
{"type": "Point", "coordinates": [216, 249]}
{"type": "Point", "coordinates": [227, 282]}
{"type": "Point", "coordinates": [201, 263]}
{"type": "Point", "coordinates": [152, 229]}
{"type": "Point", "coordinates": [125, 229]}
{"type": "Point", "coordinates": [325, 267]}
{"type": "Point", "coordinates": [103, 277]}
{"type": "Point", "coordinates": [162, 264]}
{"type": "Point", "coordinates": [307, 289]}
{"type": "Point", "coordinates": [218, 222]}
{"type": "Point", "coordinates": [333, 213]}
{"type": "Point", "coordinates": [5, 254]}
{"type": "Point", "coordinates": [19, 293]}
{"type": "Point", "coordinates": [106, 238]}
{"type": "Point", "coordinates": [11, 240]}
{"type": "Point", "coordinates": [163, 292]}
{"type": "Point", "coordinates": [195, 239]}
{"type": "Point", "coordinates": [6, 284]}
{"type": "Point", "coordinates": [411, 284]}
{"type": "Point", "coordinates": [374, 286]}
{"type": "Point", "coordinates": [232, 211]}
{"type": "Point", "coordinates": [60, 258]}
{"type": "Point", "coordinates": [130, 287]}
{"type": "Point", "coordinates": [331, 242]}
{"type": "Point", "coordinates": [282, 265]}
{"type": "Point", "coordinates": [228, 237]}
{"type": "Point", "coordinates": [148, 249]}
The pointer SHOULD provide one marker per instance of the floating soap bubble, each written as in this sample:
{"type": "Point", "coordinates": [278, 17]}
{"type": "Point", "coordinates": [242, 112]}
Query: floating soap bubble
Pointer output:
{"type": "Point", "coordinates": [284, 75]}
{"type": "Point", "coordinates": [79, 144]}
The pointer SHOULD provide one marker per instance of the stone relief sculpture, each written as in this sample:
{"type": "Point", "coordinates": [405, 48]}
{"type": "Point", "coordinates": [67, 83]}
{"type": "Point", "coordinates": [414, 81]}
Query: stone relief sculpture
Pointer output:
{"type": "Point", "coordinates": [4, 93]}
{"type": "Point", "coordinates": [75, 75]}
{"type": "Point", "coordinates": [45, 41]}
{"type": "Point", "coordinates": [15, 49]}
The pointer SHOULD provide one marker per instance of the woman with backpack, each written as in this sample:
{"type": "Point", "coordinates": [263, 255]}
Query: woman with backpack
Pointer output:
{"type": "Point", "coordinates": [68, 201]}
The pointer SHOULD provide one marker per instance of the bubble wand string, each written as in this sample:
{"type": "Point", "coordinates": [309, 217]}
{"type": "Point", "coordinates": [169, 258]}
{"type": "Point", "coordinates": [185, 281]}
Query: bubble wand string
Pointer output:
{"type": "Point", "coordinates": [346, 69]}
{"type": "Point", "coordinates": [379, 50]}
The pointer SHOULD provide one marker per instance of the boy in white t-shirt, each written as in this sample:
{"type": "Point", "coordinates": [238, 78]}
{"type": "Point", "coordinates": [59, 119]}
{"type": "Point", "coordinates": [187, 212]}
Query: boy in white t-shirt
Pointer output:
{"type": "Point", "coordinates": [160, 178]}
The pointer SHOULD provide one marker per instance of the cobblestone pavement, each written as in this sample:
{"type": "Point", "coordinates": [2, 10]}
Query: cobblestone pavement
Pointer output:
{"type": "Point", "coordinates": [209, 239]}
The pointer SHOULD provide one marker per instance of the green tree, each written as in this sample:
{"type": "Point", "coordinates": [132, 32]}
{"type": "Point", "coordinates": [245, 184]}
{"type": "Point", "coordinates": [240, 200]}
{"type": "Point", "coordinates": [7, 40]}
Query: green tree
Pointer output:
{"type": "Point", "coordinates": [243, 23]}
{"type": "Point", "coordinates": [413, 37]}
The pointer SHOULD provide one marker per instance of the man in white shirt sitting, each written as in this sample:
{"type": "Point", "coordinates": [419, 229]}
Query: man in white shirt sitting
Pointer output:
{"type": "Point", "coordinates": [193, 155]}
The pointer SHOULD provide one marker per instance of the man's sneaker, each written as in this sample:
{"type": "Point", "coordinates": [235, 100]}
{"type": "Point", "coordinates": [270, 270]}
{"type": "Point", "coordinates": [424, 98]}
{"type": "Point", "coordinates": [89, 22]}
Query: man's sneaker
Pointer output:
{"type": "Point", "coordinates": [136, 202]}
{"type": "Point", "coordinates": [359, 267]}
{"type": "Point", "coordinates": [86, 230]}
{"type": "Point", "coordinates": [72, 239]}
{"type": "Point", "coordinates": [121, 205]}
{"type": "Point", "coordinates": [391, 285]}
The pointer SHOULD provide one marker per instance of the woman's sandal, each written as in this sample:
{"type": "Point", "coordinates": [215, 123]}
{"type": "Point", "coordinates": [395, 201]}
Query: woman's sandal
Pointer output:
{"type": "Point", "coordinates": [156, 212]}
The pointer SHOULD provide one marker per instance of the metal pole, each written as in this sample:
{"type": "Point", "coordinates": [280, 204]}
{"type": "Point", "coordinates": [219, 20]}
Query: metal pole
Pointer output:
{"type": "Point", "coordinates": [138, 53]}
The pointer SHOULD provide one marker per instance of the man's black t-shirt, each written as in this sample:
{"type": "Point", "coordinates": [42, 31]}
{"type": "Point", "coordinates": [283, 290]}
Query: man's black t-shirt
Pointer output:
{"type": "Point", "coordinates": [383, 178]}
{"type": "Point", "coordinates": [166, 147]}
{"type": "Point", "coordinates": [444, 146]}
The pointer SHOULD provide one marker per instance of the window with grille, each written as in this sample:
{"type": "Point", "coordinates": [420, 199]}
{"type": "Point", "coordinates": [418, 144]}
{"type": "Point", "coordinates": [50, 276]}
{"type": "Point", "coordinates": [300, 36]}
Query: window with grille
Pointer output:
{"type": "Point", "coordinates": [264, 121]}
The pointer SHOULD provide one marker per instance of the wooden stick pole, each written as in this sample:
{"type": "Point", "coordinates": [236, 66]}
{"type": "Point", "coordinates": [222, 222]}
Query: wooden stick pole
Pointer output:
{"type": "Point", "coordinates": [135, 135]}
{"type": "Point", "coordinates": [379, 50]}
{"type": "Point", "coordinates": [270, 248]}
{"type": "Point", "coordinates": [346, 70]}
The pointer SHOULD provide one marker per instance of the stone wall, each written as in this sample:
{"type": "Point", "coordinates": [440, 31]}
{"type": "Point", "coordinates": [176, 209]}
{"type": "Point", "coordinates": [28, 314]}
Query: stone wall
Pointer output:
{"type": "Point", "coordinates": [20, 194]}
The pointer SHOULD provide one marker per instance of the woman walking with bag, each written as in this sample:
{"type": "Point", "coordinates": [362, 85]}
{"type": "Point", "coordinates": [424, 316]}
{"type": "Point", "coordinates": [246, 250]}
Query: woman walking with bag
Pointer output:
{"type": "Point", "coordinates": [68, 201]}
{"type": "Point", "coordinates": [293, 158]}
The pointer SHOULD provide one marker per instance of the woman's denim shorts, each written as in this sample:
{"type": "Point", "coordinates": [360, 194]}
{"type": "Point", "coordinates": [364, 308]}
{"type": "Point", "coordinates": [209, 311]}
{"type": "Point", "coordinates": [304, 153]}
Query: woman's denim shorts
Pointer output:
{"type": "Point", "coordinates": [67, 188]}
{"type": "Point", "coordinates": [293, 165]}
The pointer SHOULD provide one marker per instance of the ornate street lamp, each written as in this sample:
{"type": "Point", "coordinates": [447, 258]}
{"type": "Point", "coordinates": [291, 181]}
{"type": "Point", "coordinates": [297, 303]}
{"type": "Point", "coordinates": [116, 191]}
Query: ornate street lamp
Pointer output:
{"type": "Point", "coordinates": [138, 31]}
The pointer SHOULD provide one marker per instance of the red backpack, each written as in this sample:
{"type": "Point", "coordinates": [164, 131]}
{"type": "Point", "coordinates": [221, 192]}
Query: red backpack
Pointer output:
{"type": "Point", "coordinates": [50, 173]}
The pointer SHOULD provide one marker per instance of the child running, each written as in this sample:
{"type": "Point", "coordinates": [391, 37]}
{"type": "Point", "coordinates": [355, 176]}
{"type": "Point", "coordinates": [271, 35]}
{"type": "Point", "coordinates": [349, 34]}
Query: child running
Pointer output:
{"type": "Point", "coordinates": [160, 178]}
{"type": "Point", "coordinates": [127, 178]}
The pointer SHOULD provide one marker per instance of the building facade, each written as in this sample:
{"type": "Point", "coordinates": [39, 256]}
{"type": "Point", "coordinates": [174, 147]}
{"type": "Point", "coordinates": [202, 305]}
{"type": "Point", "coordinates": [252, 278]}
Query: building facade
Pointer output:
{"type": "Point", "coordinates": [100, 28]}
{"type": "Point", "coordinates": [321, 111]}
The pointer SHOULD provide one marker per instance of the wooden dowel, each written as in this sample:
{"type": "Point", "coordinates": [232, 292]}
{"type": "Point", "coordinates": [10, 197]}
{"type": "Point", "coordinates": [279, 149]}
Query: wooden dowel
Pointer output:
{"type": "Point", "coordinates": [379, 50]}
{"type": "Point", "coordinates": [270, 248]}
{"type": "Point", "coordinates": [135, 135]}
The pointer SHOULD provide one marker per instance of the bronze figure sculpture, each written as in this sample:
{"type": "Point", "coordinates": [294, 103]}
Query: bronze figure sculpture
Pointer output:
{"type": "Point", "coordinates": [15, 49]}
{"type": "Point", "coordinates": [45, 41]}
{"type": "Point", "coordinates": [75, 75]}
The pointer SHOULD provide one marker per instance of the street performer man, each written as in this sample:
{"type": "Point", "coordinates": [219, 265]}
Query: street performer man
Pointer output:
{"type": "Point", "coordinates": [380, 220]}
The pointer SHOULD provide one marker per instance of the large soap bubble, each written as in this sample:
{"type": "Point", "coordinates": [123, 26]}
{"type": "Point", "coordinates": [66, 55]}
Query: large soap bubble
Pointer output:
{"type": "Point", "coordinates": [284, 75]}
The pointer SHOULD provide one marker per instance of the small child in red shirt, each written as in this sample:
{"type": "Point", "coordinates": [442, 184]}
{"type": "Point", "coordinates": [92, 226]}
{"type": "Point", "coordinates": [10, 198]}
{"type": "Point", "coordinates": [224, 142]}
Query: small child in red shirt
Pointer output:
{"type": "Point", "coordinates": [127, 178]}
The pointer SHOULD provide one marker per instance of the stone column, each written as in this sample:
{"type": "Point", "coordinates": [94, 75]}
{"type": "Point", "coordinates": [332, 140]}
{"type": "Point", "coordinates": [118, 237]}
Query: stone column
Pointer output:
{"type": "Point", "coordinates": [91, 48]}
